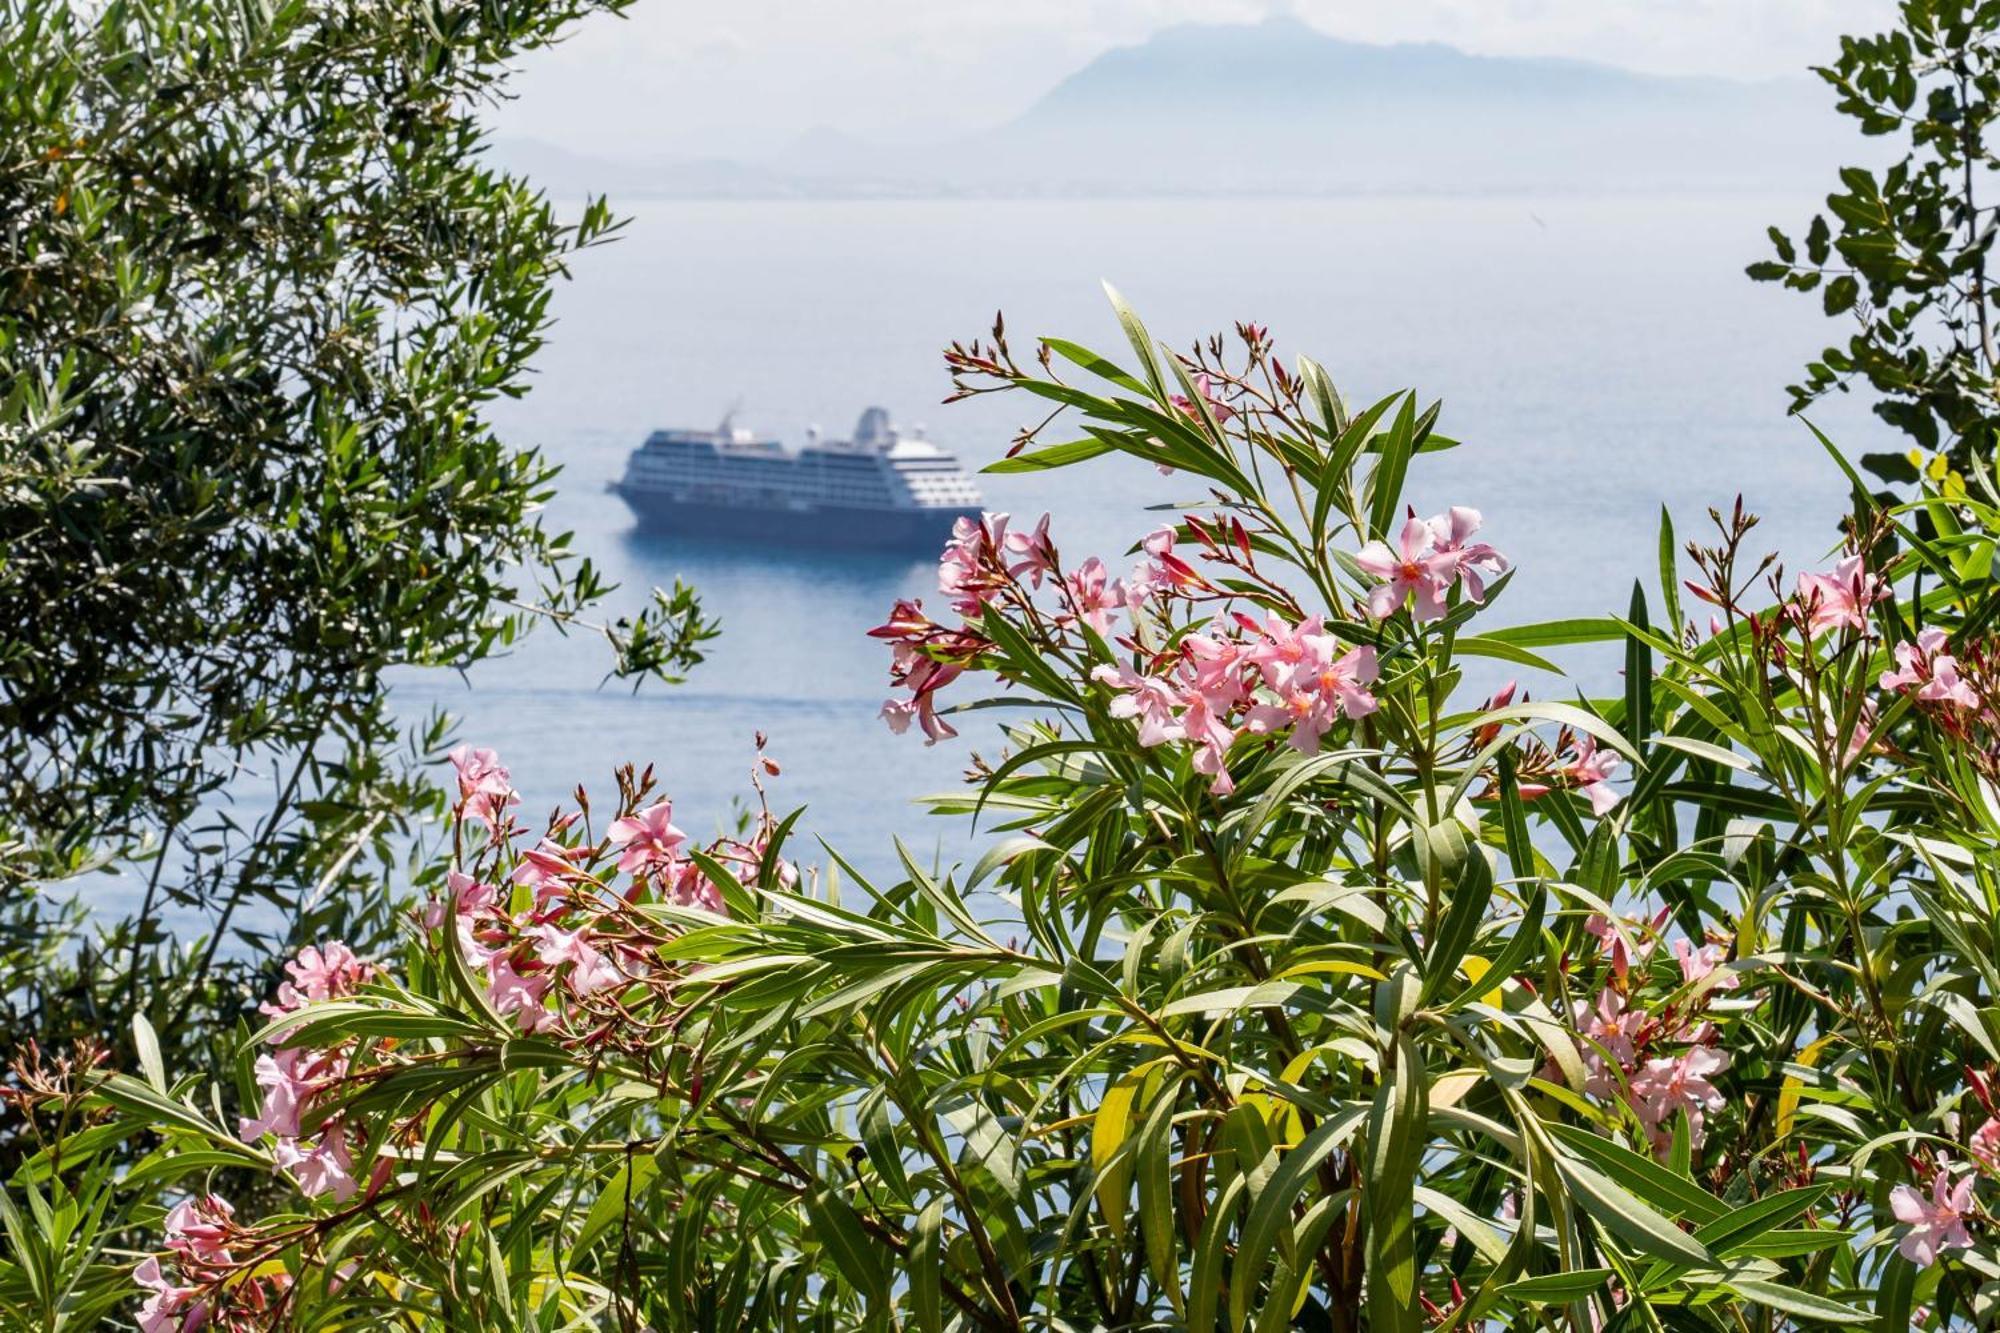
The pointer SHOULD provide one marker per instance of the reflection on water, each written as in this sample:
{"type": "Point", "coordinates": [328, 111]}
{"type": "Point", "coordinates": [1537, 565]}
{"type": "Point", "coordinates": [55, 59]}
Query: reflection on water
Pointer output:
{"type": "Point", "coordinates": [716, 562]}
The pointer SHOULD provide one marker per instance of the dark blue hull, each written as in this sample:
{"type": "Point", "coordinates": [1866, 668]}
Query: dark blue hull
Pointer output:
{"type": "Point", "coordinates": [922, 530]}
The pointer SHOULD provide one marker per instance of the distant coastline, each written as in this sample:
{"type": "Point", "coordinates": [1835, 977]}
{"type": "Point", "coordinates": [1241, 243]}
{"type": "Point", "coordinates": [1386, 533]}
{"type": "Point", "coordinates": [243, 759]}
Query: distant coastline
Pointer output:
{"type": "Point", "coordinates": [1281, 110]}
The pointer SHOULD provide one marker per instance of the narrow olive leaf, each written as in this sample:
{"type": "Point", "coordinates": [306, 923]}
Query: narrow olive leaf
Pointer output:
{"type": "Point", "coordinates": [1291, 1284]}
{"type": "Point", "coordinates": [1111, 1128]}
{"type": "Point", "coordinates": [1638, 675]}
{"type": "Point", "coordinates": [1751, 1220]}
{"type": "Point", "coordinates": [1522, 945]}
{"type": "Point", "coordinates": [927, 1268]}
{"type": "Point", "coordinates": [1097, 365]}
{"type": "Point", "coordinates": [1142, 344]}
{"type": "Point", "coordinates": [1560, 633]}
{"type": "Point", "coordinates": [1385, 484]}
{"type": "Point", "coordinates": [1558, 1288]}
{"type": "Point", "coordinates": [1674, 1195]}
{"type": "Point", "coordinates": [1670, 584]}
{"type": "Point", "coordinates": [1514, 821]}
{"type": "Point", "coordinates": [1153, 1164]}
{"type": "Point", "coordinates": [1275, 1198]}
{"type": "Point", "coordinates": [1484, 645]}
{"type": "Point", "coordinates": [1624, 1216]}
{"type": "Point", "coordinates": [148, 1045]}
{"type": "Point", "coordinates": [1800, 1304]}
{"type": "Point", "coordinates": [944, 896]}
{"type": "Point", "coordinates": [1467, 881]}
{"type": "Point", "coordinates": [878, 1140]}
{"type": "Point", "coordinates": [1397, 1126]}
{"type": "Point", "coordinates": [858, 1258]}
{"type": "Point", "coordinates": [1354, 440]}
{"type": "Point", "coordinates": [1211, 1249]}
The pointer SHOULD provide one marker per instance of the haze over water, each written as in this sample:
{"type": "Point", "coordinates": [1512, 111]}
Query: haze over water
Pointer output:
{"type": "Point", "coordinates": [1597, 355]}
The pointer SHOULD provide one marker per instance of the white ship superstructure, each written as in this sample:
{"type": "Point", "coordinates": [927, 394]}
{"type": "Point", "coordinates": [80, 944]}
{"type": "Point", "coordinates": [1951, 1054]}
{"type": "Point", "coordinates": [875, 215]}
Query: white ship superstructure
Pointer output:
{"type": "Point", "coordinates": [881, 488]}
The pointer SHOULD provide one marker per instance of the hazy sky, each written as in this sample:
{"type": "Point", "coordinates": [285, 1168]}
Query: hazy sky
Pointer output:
{"type": "Point", "coordinates": [734, 76]}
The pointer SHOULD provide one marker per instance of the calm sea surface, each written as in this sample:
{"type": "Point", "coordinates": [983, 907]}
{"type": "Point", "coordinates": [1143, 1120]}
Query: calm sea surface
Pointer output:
{"type": "Point", "coordinates": [1598, 356]}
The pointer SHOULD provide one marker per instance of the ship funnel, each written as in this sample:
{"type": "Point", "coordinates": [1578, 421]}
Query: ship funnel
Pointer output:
{"type": "Point", "coordinates": [873, 431]}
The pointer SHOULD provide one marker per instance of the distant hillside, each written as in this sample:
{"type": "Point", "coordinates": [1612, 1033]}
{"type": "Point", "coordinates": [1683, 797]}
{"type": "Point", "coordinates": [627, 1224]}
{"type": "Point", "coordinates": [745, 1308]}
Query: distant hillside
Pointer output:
{"type": "Point", "coordinates": [1280, 107]}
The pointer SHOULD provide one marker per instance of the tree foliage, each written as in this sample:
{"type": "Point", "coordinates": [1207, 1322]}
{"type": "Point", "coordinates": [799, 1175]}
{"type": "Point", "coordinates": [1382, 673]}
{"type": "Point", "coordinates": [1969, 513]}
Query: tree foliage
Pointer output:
{"type": "Point", "coordinates": [1297, 990]}
{"type": "Point", "coordinates": [259, 290]}
{"type": "Point", "coordinates": [1902, 252]}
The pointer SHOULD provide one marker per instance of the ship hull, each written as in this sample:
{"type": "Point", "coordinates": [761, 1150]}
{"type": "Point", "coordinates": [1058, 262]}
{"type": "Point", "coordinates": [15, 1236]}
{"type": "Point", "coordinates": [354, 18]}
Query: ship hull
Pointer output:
{"type": "Point", "coordinates": [823, 525]}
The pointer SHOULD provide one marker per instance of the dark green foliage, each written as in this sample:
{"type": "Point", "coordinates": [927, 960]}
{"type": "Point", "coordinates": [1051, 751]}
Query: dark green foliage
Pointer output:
{"type": "Point", "coordinates": [258, 292]}
{"type": "Point", "coordinates": [1903, 252]}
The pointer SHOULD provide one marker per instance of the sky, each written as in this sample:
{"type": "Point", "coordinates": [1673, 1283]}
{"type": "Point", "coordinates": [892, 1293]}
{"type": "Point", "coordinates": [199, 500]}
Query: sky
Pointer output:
{"type": "Point", "coordinates": [733, 78]}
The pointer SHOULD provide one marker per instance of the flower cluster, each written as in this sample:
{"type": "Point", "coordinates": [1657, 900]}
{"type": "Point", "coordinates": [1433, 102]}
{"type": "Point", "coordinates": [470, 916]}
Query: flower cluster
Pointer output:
{"type": "Point", "coordinates": [1660, 1065]}
{"type": "Point", "coordinates": [1431, 555]}
{"type": "Point", "coordinates": [1927, 671]}
{"type": "Point", "coordinates": [1574, 763]}
{"type": "Point", "coordinates": [1297, 679]}
{"type": "Point", "coordinates": [556, 937]}
{"type": "Point", "coordinates": [212, 1286]}
{"type": "Point", "coordinates": [1840, 598]}
{"type": "Point", "coordinates": [558, 933]}
{"type": "Point", "coordinates": [297, 1081]}
{"type": "Point", "coordinates": [1288, 674]}
{"type": "Point", "coordinates": [988, 569]}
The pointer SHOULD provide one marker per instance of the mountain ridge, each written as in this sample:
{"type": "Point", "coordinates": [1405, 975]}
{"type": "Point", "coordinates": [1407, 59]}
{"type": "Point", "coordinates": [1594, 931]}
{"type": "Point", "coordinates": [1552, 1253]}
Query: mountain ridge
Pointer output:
{"type": "Point", "coordinates": [1279, 107]}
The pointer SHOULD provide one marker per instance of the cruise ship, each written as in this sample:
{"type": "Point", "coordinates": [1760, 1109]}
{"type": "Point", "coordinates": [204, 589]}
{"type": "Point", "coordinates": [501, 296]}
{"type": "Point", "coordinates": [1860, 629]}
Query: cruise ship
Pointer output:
{"type": "Point", "coordinates": [881, 489]}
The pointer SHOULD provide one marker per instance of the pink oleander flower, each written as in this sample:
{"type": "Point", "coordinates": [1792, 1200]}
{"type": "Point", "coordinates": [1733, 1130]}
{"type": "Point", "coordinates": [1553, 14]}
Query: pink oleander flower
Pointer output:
{"type": "Point", "coordinates": [520, 995]}
{"type": "Point", "coordinates": [1698, 963]}
{"type": "Point", "coordinates": [1590, 772]}
{"type": "Point", "coordinates": [325, 1168]}
{"type": "Point", "coordinates": [1986, 1143]}
{"type": "Point", "coordinates": [649, 838]}
{"type": "Point", "coordinates": [289, 1079]}
{"type": "Point", "coordinates": [464, 897]}
{"type": "Point", "coordinates": [692, 887]}
{"type": "Point", "coordinates": [1933, 673]}
{"type": "Point", "coordinates": [1093, 595]}
{"type": "Point", "coordinates": [1681, 1083]}
{"type": "Point", "coordinates": [1147, 698]}
{"type": "Point", "coordinates": [1643, 936]}
{"type": "Point", "coordinates": [1475, 562]}
{"type": "Point", "coordinates": [548, 868]}
{"type": "Point", "coordinates": [1211, 738]}
{"type": "Point", "coordinates": [923, 677]}
{"type": "Point", "coordinates": [1415, 570]}
{"type": "Point", "coordinates": [1840, 598]}
{"type": "Point", "coordinates": [199, 1229]}
{"type": "Point", "coordinates": [1288, 651]}
{"type": "Point", "coordinates": [485, 788]}
{"type": "Point", "coordinates": [168, 1308]}
{"type": "Point", "coordinates": [1318, 694]}
{"type": "Point", "coordinates": [319, 972]}
{"type": "Point", "coordinates": [589, 970]}
{"type": "Point", "coordinates": [965, 570]}
{"type": "Point", "coordinates": [1212, 665]}
{"type": "Point", "coordinates": [1612, 1031]}
{"type": "Point", "coordinates": [1204, 386]}
{"type": "Point", "coordinates": [1936, 1224]}
{"type": "Point", "coordinates": [1036, 555]}
{"type": "Point", "coordinates": [1161, 573]}
{"type": "Point", "coordinates": [1346, 678]}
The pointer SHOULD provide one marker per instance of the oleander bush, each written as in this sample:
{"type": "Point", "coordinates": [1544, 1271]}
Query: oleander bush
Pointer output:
{"type": "Point", "coordinates": [1297, 985]}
